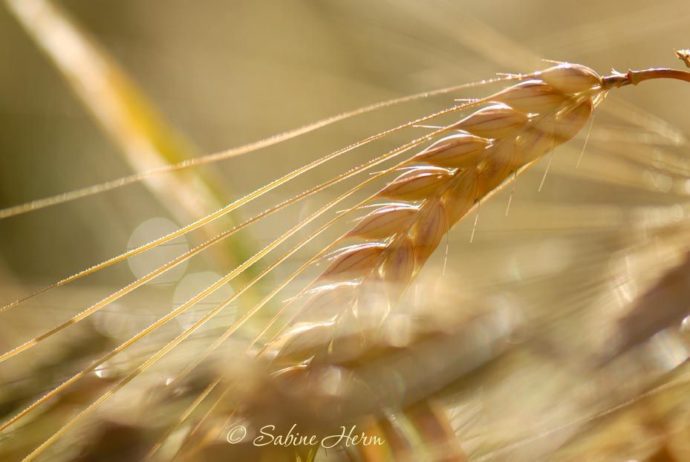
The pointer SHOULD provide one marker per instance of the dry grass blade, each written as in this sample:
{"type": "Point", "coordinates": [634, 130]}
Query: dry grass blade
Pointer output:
{"type": "Point", "coordinates": [128, 118]}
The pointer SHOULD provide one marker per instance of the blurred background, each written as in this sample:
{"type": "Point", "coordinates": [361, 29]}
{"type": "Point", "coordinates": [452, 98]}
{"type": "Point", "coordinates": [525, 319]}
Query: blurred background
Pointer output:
{"type": "Point", "coordinates": [185, 79]}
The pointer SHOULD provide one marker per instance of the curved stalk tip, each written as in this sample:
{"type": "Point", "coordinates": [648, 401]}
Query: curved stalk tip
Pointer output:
{"type": "Point", "coordinates": [632, 77]}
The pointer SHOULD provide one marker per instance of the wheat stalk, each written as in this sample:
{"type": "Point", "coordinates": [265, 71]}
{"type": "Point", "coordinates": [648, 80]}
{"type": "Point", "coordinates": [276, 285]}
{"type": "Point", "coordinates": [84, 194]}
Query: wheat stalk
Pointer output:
{"type": "Point", "coordinates": [440, 185]}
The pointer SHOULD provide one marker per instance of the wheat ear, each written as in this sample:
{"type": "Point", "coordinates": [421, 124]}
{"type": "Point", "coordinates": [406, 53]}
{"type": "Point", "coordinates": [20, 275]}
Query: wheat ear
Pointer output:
{"type": "Point", "coordinates": [438, 187]}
